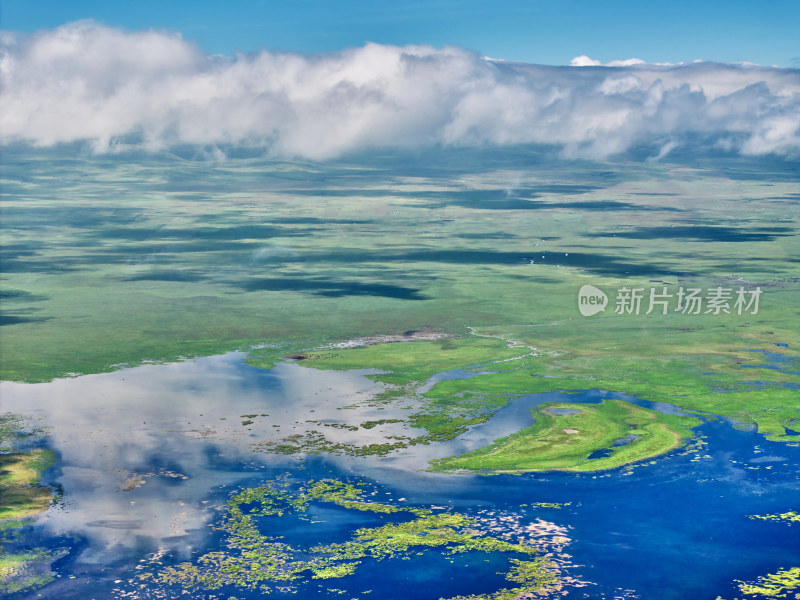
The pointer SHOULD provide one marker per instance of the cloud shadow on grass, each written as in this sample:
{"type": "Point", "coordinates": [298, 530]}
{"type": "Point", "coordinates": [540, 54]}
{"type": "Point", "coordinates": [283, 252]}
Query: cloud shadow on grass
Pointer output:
{"type": "Point", "coordinates": [17, 320]}
{"type": "Point", "coordinates": [701, 233]}
{"type": "Point", "coordinates": [321, 286]}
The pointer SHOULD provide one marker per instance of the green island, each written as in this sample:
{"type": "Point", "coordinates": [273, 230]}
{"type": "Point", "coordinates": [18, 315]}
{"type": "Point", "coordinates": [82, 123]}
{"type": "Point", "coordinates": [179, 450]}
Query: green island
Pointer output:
{"type": "Point", "coordinates": [253, 559]}
{"type": "Point", "coordinates": [567, 441]}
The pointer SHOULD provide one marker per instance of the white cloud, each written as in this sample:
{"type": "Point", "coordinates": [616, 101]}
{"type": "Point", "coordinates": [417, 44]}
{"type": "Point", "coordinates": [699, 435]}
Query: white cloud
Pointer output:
{"type": "Point", "coordinates": [587, 61]}
{"type": "Point", "coordinates": [84, 81]}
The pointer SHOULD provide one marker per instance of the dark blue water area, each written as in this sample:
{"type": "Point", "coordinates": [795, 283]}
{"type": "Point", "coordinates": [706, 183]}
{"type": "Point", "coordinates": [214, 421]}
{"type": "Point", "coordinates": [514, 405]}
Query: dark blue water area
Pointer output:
{"type": "Point", "coordinates": [605, 452]}
{"type": "Point", "coordinates": [676, 527]}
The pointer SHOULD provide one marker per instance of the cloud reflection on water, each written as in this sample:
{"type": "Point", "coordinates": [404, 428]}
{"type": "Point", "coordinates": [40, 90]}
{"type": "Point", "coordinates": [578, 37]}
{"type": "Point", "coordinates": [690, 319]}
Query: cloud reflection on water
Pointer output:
{"type": "Point", "coordinates": [143, 449]}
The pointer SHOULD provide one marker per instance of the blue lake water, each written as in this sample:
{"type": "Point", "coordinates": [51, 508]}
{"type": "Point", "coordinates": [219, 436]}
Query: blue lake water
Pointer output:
{"type": "Point", "coordinates": [148, 455]}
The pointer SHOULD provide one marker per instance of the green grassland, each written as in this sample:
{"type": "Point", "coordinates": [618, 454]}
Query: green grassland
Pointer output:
{"type": "Point", "coordinates": [412, 361]}
{"type": "Point", "coordinates": [756, 397]}
{"type": "Point", "coordinates": [123, 259]}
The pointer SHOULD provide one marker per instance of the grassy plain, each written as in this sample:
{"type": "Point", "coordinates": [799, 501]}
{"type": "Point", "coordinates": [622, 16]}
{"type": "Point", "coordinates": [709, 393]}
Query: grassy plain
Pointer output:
{"type": "Point", "coordinates": [123, 259]}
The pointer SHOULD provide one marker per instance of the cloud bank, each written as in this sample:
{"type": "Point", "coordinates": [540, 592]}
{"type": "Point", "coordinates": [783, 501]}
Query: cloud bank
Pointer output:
{"type": "Point", "coordinates": [85, 81]}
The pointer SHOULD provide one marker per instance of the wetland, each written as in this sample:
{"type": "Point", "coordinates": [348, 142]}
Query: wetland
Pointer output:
{"type": "Point", "coordinates": [369, 377]}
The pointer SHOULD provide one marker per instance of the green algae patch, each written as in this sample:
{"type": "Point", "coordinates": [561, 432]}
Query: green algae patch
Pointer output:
{"type": "Point", "coordinates": [567, 442]}
{"type": "Point", "coordinates": [787, 517]}
{"type": "Point", "coordinates": [255, 560]}
{"type": "Point", "coordinates": [533, 580]}
{"type": "Point", "coordinates": [336, 571]}
{"type": "Point", "coordinates": [774, 585]}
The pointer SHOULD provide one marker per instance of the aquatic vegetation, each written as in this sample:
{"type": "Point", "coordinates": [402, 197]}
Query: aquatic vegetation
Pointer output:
{"type": "Point", "coordinates": [569, 441]}
{"type": "Point", "coordinates": [445, 417]}
{"type": "Point", "coordinates": [787, 517]}
{"type": "Point", "coordinates": [20, 494]}
{"type": "Point", "coordinates": [255, 560]}
{"type": "Point", "coordinates": [774, 585]}
{"type": "Point", "coordinates": [23, 568]}
{"type": "Point", "coordinates": [11, 426]}
{"type": "Point", "coordinates": [371, 424]}
{"type": "Point", "coordinates": [29, 570]}
{"type": "Point", "coordinates": [314, 442]}
{"type": "Point", "coordinates": [533, 579]}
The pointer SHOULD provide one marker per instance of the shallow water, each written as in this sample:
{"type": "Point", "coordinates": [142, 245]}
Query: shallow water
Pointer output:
{"type": "Point", "coordinates": [147, 455]}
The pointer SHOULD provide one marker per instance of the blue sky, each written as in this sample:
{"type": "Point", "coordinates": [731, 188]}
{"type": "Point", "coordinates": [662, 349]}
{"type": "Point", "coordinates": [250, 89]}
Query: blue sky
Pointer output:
{"type": "Point", "coordinates": [551, 32]}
